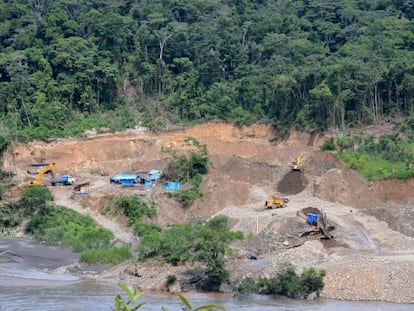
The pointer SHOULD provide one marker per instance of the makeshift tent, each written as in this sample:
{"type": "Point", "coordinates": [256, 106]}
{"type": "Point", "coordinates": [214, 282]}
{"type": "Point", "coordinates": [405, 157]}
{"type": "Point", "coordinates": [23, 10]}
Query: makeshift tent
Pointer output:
{"type": "Point", "coordinates": [171, 186]}
{"type": "Point", "coordinates": [154, 174]}
{"type": "Point", "coordinates": [127, 182]}
{"type": "Point", "coordinates": [148, 183]}
{"type": "Point", "coordinates": [82, 189]}
{"type": "Point", "coordinates": [119, 178]}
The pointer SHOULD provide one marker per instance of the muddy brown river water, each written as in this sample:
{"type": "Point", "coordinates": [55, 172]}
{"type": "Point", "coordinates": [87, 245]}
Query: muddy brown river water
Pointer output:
{"type": "Point", "coordinates": [26, 283]}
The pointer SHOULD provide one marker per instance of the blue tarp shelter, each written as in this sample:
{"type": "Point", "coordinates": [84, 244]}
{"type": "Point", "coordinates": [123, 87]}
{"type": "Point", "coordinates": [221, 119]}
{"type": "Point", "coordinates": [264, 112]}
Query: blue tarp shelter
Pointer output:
{"type": "Point", "coordinates": [312, 218]}
{"type": "Point", "coordinates": [171, 186]}
{"type": "Point", "coordinates": [123, 178]}
{"type": "Point", "coordinates": [154, 174]}
{"type": "Point", "coordinates": [127, 182]}
{"type": "Point", "coordinates": [148, 183]}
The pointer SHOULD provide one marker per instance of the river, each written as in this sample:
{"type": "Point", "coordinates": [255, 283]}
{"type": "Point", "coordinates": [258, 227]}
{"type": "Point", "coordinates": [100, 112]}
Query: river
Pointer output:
{"type": "Point", "coordinates": [87, 295]}
{"type": "Point", "coordinates": [26, 285]}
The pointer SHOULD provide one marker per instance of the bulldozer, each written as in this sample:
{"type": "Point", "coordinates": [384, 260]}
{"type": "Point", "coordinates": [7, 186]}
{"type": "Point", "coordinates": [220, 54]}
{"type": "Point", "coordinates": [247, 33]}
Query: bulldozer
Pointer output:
{"type": "Point", "coordinates": [276, 202]}
{"type": "Point", "coordinates": [297, 164]}
{"type": "Point", "coordinates": [38, 180]}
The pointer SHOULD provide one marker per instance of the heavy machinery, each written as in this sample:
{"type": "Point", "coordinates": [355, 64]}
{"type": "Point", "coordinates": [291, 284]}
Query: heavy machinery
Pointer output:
{"type": "Point", "coordinates": [38, 180]}
{"type": "Point", "coordinates": [297, 164]}
{"type": "Point", "coordinates": [65, 180]}
{"type": "Point", "coordinates": [276, 202]}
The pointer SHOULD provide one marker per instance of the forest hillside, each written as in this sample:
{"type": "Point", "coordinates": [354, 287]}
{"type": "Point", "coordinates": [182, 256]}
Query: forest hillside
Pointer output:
{"type": "Point", "coordinates": [66, 66]}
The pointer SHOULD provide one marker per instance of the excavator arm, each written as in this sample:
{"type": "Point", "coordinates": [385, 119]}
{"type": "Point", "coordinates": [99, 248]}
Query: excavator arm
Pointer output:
{"type": "Point", "coordinates": [297, 164]}
{"type": "Point", "coordinates": [38, 180]}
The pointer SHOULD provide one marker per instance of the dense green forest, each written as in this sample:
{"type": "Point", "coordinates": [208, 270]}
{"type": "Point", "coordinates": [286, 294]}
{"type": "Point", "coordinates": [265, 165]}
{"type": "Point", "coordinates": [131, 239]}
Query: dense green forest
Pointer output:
{"type": "Point", "coordinates": [66, 65]}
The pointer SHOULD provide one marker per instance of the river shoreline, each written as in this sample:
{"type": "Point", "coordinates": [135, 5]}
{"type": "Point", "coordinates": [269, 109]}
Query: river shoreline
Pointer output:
{"type": "Point", "coordinates": [26, 262]}
{"type": "Point", "coordinates": [89, 294]}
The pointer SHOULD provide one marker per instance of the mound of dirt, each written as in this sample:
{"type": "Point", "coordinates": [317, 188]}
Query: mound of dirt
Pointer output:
{"type": "Point", "coordinates": [292, 183]}
{"type": "Point", "coordinates": [394, 190]}
{"type": "Point", "coordinates": [247, 171]}
{"type": "Point", "coordinates": [397, 216]}
{"type": "Point", "coordinates": [346, 187]}
{"type": "Point", "coordinates": [320, 162]}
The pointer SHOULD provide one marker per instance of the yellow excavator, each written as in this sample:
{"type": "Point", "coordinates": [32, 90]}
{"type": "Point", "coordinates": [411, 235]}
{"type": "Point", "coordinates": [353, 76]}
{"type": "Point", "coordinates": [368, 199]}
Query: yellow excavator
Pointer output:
{"type": "Point", "coordinates": [297, 164]}
{"type": "Point", "coordinates": [276, 202]}
{"type": "Point", "coordinates": [38, 180]}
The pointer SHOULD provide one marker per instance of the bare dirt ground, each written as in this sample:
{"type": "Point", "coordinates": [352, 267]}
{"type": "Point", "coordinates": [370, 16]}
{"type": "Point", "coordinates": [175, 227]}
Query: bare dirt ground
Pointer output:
{"type": "Point", "coordinates": [370, 258]}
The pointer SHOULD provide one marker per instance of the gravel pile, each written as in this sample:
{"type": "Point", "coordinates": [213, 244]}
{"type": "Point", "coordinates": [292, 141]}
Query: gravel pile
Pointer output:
{"type": "Point", "coordinates": [370, 279]}
{"type": "Point", "coordinates": [292, 183]}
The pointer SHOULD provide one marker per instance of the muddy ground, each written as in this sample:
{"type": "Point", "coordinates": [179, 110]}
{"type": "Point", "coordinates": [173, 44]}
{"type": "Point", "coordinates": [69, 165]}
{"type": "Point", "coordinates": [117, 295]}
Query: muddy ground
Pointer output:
{"type": "Point", "coordinates": [371, 255]}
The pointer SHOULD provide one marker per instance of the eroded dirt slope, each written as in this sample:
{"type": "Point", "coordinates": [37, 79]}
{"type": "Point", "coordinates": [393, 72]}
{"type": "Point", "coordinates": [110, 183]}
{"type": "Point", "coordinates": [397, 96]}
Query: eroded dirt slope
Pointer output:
{"type": "Point", "coordinates": [372, 222]}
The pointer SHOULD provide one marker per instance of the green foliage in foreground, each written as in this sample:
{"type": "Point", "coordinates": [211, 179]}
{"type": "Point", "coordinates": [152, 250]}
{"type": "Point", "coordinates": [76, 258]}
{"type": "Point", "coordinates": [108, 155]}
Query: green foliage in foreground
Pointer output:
{"type": "Point", "coordinates": [134, 294]}
{"type": "Point", "coordinates": [285, 282]}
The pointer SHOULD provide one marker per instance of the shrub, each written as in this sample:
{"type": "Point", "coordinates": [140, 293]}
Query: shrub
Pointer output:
{"type": "Point", "coordinates": [311, 280]}
{"type": "Point", "coordinates": [141, 228]}
{"type": "Point", "coordinates": [176, 243]}
{"type": "Point", "coordinates": [345, 142]}
{"type": "Point", "coordinates": [375, 167]}
{"type": "Point", "coordinates": [113, 255]}
{"type": "Point", "coordinates": [187, 169]}
{"type": "Point", "coordinates": [391, 157]}
{"type": "Point", "coordinates": [33, 199]}
{"type": "Point", "coordinates": [150, 244]}
{"type": "Point", "coordinates": [186, 197]}
{"type": "Point", "coordinates": [205, 242]}
{"type": "Point", "coordinates": [285, 282]}
{"type": "Point", "coordinates": [328, 145]}
{"type": "Point", "coordinates": [58, 225]}
{"type": "Point", "coordinates": [171, 279]}
{"type": "Point", "coordinates": [134, 208]}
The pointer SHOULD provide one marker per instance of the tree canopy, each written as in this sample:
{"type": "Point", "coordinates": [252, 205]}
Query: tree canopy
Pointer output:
{"type": "Point", "coordinates": [314, 63]}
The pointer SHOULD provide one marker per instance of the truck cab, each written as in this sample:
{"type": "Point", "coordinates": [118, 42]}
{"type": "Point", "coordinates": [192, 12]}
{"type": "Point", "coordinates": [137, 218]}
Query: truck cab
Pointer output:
{"type": "Point", "coordinates": [64, 180]}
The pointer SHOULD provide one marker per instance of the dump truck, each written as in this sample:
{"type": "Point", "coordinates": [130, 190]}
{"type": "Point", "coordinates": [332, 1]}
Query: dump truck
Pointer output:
{"type": "Point", "coordinates": [65, 180]}
{"type": "Point", "coordinates": [276, 202]}
{"type": "Point", "coordinates": [46, 169]}
{"type": "Point", "coordinates": [297, 164]}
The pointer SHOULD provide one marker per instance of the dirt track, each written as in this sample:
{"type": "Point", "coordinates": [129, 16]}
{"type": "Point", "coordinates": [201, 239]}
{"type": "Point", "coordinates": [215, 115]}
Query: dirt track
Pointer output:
{"type": "Point", "coordinates": [367, 260]}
